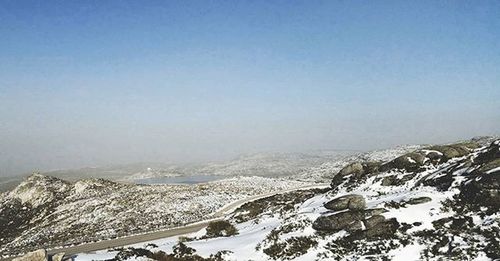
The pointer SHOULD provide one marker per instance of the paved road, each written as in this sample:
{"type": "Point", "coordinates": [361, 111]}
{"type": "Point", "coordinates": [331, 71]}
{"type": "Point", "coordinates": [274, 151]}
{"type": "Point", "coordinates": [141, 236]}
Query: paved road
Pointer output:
{"type": "Point", "coordinates": [134, 239]}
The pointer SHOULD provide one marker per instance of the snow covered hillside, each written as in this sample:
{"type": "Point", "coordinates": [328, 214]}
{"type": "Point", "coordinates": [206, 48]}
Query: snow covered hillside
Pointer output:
{"type": "Point", "coordinates": [436, 203]}
{"type": "Point", "coordinates": [45, 211]}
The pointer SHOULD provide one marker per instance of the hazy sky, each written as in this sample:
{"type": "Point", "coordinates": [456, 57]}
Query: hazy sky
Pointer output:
{"type": "Point", "coordinates": [86, 83]}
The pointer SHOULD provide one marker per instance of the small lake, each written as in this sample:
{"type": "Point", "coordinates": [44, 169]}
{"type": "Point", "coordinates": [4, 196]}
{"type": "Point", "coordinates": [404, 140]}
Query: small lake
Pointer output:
{"type": "Point", "coordinates": [179, 180]}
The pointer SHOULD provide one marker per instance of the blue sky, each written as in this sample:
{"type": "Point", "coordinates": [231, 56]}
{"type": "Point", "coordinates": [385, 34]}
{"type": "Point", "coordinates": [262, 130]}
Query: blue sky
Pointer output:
{"type": "Point", "coordinates": [86, 83]}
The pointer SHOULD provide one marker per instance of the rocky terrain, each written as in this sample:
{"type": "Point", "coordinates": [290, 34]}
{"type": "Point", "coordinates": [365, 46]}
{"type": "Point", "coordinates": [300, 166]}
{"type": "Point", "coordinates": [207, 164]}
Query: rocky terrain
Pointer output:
{"type": "Point", "coordinates": [435, 203]}
{"type": "Point", "coordinates": [45, 211]}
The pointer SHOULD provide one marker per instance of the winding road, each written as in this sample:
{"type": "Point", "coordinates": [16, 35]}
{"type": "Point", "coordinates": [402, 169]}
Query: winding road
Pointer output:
{"type": "Point", "coordinates": [191, 228]}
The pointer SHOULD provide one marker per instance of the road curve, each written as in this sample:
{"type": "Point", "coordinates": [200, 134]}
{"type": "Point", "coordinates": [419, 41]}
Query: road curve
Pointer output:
{"type": "Point", "coordinates": [139, 238]}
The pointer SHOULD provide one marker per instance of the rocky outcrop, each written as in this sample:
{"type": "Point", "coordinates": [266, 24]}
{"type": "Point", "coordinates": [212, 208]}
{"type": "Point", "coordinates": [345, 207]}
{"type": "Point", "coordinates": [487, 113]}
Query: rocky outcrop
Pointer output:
{"type": "Point", "coordinates": [417, 160]}
{"type": "Point", "coordinates": [39, 255]}
{"type": "Point", "coordinates": [355, 168]}
{"type": "Point", "coordinates": [413, 162]}
{"type": "Point", "coordinates": [376, 226]}
{"type": "Point", "coordinates": [373, 221]}
{"type": "Point", "coordinates": [348, 220]}
{"type": "Point", "coordinates": [355, 173]}
{"type": "Point", "coordinates": [38, 190]}
{"type": "Point", "coordinates": [58, 257]}
{"type": "Point", "coordinates": [483, 191]}
{"type": "Point", "coordinates": [355, 218]}
{"type": "Point", "coordinates": [454, 150]}
{"type": "Point", "coordinates": [382, 228]}
{"type": "Point", "coordinates": [352, 202]}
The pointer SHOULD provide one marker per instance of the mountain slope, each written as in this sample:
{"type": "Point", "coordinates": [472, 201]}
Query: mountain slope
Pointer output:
{"type": "Point", "coordinates": [45, 211]}
{"type": "Point", "coordinates": [436, 203]}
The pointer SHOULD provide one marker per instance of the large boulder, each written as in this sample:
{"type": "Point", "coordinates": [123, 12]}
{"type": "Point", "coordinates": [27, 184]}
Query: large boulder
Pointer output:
{"type": "Point", "coordinates": [38, 255]}
{"type": "Point", "coordinates": [415, 161]}
{"type": "Point", "coordinates": [455, 150]}
{"type": "Point", "coordinates": [355, 172]}
{"type": "Point", "coordinates": [376, 226]}
{"type": "Point", "coordinates": [352, 202]}
{"type": "Point", "coordinates": [410, 162]}
{"type": "Point", "coordinates": [382, 228]}
{"type": "Point", "coordinates": [373, 221]}
{"type": "Point", "coordinates": [355, 168]}
{"type": "Point", "coordinates": [340, 221]}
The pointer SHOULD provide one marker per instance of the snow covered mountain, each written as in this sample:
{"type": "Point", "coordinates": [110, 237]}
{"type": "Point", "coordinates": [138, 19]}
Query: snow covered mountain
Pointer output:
{"type": "Point", "coordinates": [45, 211]}
{"type": "Point", "coordinates": [435, 203]}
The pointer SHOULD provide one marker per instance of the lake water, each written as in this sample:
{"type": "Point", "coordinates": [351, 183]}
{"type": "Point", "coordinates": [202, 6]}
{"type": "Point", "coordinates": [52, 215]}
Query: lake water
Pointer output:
{"type": "Point", "coordinates": [179, 180]}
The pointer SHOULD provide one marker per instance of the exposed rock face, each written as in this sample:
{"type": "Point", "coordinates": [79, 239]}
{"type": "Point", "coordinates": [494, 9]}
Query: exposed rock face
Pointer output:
{"type": "Point", "coordinates": [373, 221]}
{"type": "Point", "coordinates": [355, 168]}
{"type": "Point", "coordinates": [352, 221]}
{"type": "Point", "coordinates": [352, 202]}
{"type": "Point", "coordinates": [338, 221]}
{"type": "Point", "coordinates": [39, 255]}
{"type": "Point", "coordinates": [415, 161]}
{"type": "Point", "coordinates": [58, 257]}
{"type": "Point", "coordinates": [455, 150]}
{"type": "Point", "coordinates": [355, 173]}
{"type": "Point", "coordinates": [382, 229]}
{"type": "Point", "coordinates": [393, 180]}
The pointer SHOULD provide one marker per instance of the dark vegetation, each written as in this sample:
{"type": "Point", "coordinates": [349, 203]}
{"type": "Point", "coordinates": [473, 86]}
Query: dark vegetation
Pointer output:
{"type": "Point", "coordinates": [181, 252]}
{"type": "Point", "coordinates": [290, 248]}
{"type": "Point", "coordinates": [278, 204]}
{"type": "Point", "coordinates": [220, 228]}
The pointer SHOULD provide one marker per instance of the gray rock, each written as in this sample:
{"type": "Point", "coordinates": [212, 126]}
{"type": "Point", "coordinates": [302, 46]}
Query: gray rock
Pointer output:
{"type": "Point", "coordinates": [58, 257]}
{"type": "Point", "coordinates": [352, 202]}
{"type": "Point", "coordinates": [373, 221]}
{"type": "Point", "coordinates": [339, 221]}
{"type": "Point", "coordinates": [455, 150]}
{"type": "Point", "coordinates": [410, 162]}
{"type": "Point", "coordinates": [384, 229]}
{"type": "Point", "coordinates": [357, 202]}
{"type": "Point", "coordinates": [354, 226]}
{"type": "Point", "coordinates": [353, 168]}
{"type": "Point", "coordinates": [38, 255]}
{"type": "Point", "coordinates": [389, 180]}
{"type": "Point", "coordinates": [419, 200]}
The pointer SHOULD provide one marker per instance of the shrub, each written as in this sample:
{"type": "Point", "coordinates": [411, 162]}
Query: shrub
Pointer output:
{"type": "Point", "coordinates": [220, 228]}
